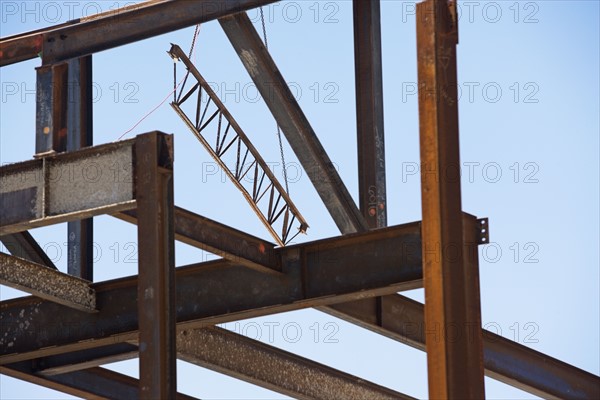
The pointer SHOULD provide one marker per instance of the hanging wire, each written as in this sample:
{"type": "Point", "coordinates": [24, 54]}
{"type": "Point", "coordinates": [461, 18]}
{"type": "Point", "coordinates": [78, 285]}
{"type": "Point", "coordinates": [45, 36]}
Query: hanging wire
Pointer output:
{"type": "Point", "coordinates": [285, 177]}
{"type": "Point", "coordinates": [175, 86]}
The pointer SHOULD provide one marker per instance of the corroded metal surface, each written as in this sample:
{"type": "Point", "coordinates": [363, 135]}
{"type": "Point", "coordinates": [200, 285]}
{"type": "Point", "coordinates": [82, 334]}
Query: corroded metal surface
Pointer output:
{"type": "Point", "coordinates": [275, 369]}
{"type": "Point", "coordinates": [316, 273]}
{"type": "Point", "coordinates": [46, 283]}
{"type": "Point", "coordinates": [454, 353]}
{"type": "Point", "coordinates": [66, 186]}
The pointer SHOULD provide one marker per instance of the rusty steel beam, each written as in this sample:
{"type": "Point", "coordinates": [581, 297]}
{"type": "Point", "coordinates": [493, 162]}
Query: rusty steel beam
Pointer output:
{"type": "Point", "coordinates": [116, 28]}
{"type": "Point", "coordinates": [23, 245]}
{"type": "Point", "coordinates": [402, 319]}
{"type": "Point", "coordinates": [94, 383]}
{"type": "Point", "coordinates": [220, 239]}
{"type": "Point", "coordinates": [80, 239]}
{"type": "Point", "coordinates": [51, 109]}
{"type": "Point", "coordinates": [68, 186]}
{"type": "Point", "coordinates": [294, 124]}
{"type": "Point", "coordinates": [78, 360]}
{"type": "Point", "coordinates": [28, 45]}
{"type": "Point", "coordinates": [156, 266]}
{"type": "Point", "coordinates": [369, 112]}
{"type": "Point", "coordinates": [46, 283]}
{"type": "Point", "coordinates": [317, 273]}
{"type": "Point", "coordinates": [454, 365]}
{"type": "Point", "coordinates": [238, 356]}
{"type": "Point", "coordinates": [274, 369]}
{"type": "Point", "coordinates": [20, 48]}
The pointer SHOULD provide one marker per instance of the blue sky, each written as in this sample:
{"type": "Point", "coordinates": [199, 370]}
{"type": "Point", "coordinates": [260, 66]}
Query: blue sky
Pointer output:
{"type": "Point", "coordinates": [529, 126]}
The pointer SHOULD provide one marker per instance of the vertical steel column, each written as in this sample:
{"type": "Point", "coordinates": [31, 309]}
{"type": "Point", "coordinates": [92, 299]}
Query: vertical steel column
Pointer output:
{"type": "Point", "coordinates": [80, 134]}
{"type": "Point", "coordinates": [51, 106]}
{"type": "Point", "coordinates": [473, 231]}
{"type": "Point", "coordinates": [156, 258]}
{"type": "Point", "coordinates": [369, 112]}
{"type": "Point", "coordinates": [454, 368]}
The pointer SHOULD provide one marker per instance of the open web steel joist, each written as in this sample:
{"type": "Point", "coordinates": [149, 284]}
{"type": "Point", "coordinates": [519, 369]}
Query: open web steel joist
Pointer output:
{"type": "Point", "coordinates": [246, 169]}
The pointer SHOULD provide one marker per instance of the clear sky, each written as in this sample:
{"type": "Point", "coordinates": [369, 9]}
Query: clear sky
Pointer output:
{"type": "Point", "coordinates": [529, 125]}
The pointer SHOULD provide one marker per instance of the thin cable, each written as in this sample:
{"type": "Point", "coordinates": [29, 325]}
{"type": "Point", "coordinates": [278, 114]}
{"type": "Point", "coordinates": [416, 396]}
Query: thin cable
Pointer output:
{"type": "Point", "coordinates": [285, 177]}
{"type": "Point", "coordinates": [149, 113]}
{"type": "Point", "coordinates": [173, 92]}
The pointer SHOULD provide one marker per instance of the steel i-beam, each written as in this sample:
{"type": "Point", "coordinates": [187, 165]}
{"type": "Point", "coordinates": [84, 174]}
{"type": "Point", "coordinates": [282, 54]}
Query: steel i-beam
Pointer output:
{"type": "Point", "coordinates": [116, 28]}
{"type": "Point", "coordinates": [92, 383]}
{"type": "Point", "coordinates": [46, 283]}
{"type": "Point", "coordinates": [51, 106]}
{"type": "Point", "coordinates": [23, 245]}
{"type": "Point", "coordinates": [67, 186]}
{"type": "Point", "coordinates": [79, 134]}
{"type": "Point", "coordinates": [156, 275]}
{"type": "Point", "coordinates": [454, 356]}
{"type": "Point", "coordinates": [369, 112]}
{"type": "Point", "coordinates": [322, 272]}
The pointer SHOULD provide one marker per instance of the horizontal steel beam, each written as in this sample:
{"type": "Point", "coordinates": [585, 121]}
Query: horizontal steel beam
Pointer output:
{"type": "Point", "coordinates": [94, 383]}
{"type": "Point", "coordinates": [23, 245]}
{"type": "Point", "coordinates": [66, 186]}
{"type": "Point", "coordinates": [238, 356]}
{"type": "Point", "coordinates": [401, 319]}
{"type": "Point", "coordinates": [278, 370]}
{"type": "Point", "coordinates": [85, 359]}
{"type": "Point", "coordinates": [219, 239]}
{"type": "Point", "coordinates": [47, 283]}
{"type": "Point", "coordinates": [316, 273]}
{"type": "Point", "coordinates": [28, 45]}
{"type": "Point", "coordinates": [116, 28]}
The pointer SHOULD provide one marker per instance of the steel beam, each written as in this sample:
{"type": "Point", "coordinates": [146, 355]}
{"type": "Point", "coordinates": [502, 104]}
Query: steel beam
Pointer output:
{"type": "Point", "coordinates": [220, 239]}
{"type": "Point", "coordinates": [116, 28]}
{"type": "Point", "coordinates": [85, 359]}
{"type": "Point", "coordinates": [274, 369]}
{"type": "Point", "coordinates": [51, 109]}
{"type": "Point", "coordinates": [294, 124]}
{"type": "Point", "coordinates": [369, 112]}
{"type": "Point", "coordinates": [28, 45]}
{"type": "Point", "coordinates": [94, 383]}
{"type": "Point", "coordinates": [156, 266]}
{"type": "Point", "coordinates": [402, 319]}
{"type": "Point", "coordinates": [67, 186]}
{"type": "Point", "coordinates": [317, 273]}
{"type": "Point", "coordinates": [451, 303]}
{"type": "Point", "coordinates": [79, 134]}
{"type": "Point", "coordinates": [23, 245]}
{"type": "Point", "coordinates": [238, 356]}
{"type": "Point", "coordinates": [46, 283]}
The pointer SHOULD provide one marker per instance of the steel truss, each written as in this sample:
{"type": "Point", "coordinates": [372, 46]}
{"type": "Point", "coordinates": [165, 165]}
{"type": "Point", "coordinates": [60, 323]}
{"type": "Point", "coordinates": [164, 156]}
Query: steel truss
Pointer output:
{"type": "Point", "coordinates": [354, 276]}
{"type": "Point", "coordinates": [247, 173]}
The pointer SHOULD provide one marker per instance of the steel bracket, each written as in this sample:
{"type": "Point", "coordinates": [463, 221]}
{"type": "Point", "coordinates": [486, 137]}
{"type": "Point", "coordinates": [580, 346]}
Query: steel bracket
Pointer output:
{"type": "Point", "coordinates": [483, 233]}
